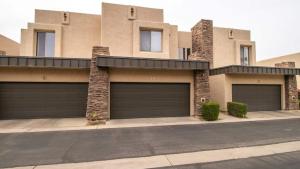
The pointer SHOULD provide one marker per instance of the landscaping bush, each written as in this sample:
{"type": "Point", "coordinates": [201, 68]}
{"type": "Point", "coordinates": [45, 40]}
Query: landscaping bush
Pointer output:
{"type": "Point", "coordinates": [210, 111]}
{"type": "Point", "coordinates": [237, 109]}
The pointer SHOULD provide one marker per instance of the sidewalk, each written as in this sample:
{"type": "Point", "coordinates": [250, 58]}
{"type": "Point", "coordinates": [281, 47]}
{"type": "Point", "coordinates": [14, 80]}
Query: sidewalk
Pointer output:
{"type": "Point", "coordinates": [178, 159]}
{"type": "Point", "coordinates": [38, 125]}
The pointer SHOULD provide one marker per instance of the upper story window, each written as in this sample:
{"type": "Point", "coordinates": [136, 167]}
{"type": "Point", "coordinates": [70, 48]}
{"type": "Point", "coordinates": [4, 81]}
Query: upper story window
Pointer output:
{"type": "Point", "coordinates": [245, 52]}
{"type": "Point", "coordinates": [45, 44]}
{"type": "Point", "coordinates": [183, 53]}
{"type": "Point", "coordinates": [150, 40]}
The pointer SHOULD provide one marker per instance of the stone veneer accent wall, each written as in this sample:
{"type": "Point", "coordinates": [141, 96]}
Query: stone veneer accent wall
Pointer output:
{"type": "Point", "coordinates": [202, 49]}
{"type": "Point", "coordinates": [97, 104]}
{"type": "Point", "coordinates": [290, 90]}
{"type": "Point", "coordinates": [202, 41]}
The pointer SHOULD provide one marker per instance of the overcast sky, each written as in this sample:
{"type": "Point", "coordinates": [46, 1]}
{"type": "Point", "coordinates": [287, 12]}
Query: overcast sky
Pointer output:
{"type": "Point", "coordinates": [274, 24]}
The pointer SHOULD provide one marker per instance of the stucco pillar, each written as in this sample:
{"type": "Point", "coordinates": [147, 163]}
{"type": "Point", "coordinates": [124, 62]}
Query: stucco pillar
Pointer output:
{"type": "Point", "coordinates": [202, 49]}
{"type": "Point", "coordinates": [290, 90]}
{"type": "Point", "coordinates": [97, 104]}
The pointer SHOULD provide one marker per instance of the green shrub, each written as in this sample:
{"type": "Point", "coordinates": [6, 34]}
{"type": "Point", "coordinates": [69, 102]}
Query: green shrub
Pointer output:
{"type": "Point", "coordinates": [210, 111]}
{"type": "Point", "coordinates": [237, 109]}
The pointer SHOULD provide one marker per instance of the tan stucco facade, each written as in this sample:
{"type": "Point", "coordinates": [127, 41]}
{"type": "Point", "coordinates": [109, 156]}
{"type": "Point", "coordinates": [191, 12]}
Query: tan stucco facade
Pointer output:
{"type": "Point", "coordinates": [73, 39]}
{"type": "Point", "coordinates": [9, 47]}
{"type": "Point", "coordinates": [118, 28]}
{"type": "Point", "coordinates": [226, 47]}
{"type": "Point", "coordinates": [221, 86]}
{"type": "Point", "coordinates": [43, 75]}
{"type": "Point", "coordinates": [295, 57]}
{"type": "Point", "coordinates": [155, 76]}
{"type": "Point", "coordinates": [122, 33]}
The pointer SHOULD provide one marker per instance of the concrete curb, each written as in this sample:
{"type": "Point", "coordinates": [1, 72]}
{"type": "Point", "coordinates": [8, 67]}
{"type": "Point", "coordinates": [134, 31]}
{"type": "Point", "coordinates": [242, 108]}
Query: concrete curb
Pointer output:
{"type": "Point", "coordinates": [108, 125]}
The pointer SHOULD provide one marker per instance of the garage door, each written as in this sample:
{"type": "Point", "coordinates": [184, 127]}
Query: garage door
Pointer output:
{"type": "Point", "coordinates": [142, 100]}
{"type": "Point", "coordinates": [258, 97]}
{"type": "Point", "coordinates": [42, 100]}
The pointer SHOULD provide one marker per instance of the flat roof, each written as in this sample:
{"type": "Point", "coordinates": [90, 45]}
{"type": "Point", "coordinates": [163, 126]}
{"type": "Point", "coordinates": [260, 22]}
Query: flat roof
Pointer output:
{"type": "Point", "coordinates": [254, 70]}
{"type": "Point", "coordinates": [150, 63]}
{"type": "Point", "coordinates": [44, 62]}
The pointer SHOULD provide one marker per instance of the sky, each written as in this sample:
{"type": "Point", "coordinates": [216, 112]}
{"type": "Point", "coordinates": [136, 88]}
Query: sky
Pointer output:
{"type": "Point", "coordinates": [274, 24]}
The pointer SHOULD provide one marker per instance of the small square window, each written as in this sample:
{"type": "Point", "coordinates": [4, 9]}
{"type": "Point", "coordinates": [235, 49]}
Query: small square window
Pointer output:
{"type": "Point", "coordinates": [183, 53]}
{"type": "Point", "coordinates": [150, 41]}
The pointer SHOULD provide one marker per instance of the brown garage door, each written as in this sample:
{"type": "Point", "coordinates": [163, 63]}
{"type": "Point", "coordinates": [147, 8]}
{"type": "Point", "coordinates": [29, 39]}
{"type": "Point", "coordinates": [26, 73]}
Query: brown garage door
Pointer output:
{"type": "Point", "coordinates": [142, 100]}
{"type": "Point", "coordinates": [42, 100]}
{"type": "Point", "coordinates": [258, 97]}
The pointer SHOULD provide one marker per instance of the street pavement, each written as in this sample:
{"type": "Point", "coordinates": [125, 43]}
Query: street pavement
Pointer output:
{"type": "Point", "coordinates": [39, 148]}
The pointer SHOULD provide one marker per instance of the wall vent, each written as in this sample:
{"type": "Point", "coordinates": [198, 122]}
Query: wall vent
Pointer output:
{"type": "Point", "coordinates": [131, 13]}
{"type": "Point", "coordinates": [65, 18]}
{"type": "Point", "coordinates": [230, 34]}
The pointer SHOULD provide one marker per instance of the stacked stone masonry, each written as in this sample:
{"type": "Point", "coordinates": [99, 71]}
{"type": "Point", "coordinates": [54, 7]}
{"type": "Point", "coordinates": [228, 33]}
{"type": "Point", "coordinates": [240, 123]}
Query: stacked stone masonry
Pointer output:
{"type": "Point", "coordinates": [291, 93]}
{"type": "Point", "coordinates": [201, 89]}
{"type": "Point", "coordinates": [202, 48]}
{"type": "Point", "coordinates": [98, 91]}
{"type": "Point", "coordinates": [202, 41]}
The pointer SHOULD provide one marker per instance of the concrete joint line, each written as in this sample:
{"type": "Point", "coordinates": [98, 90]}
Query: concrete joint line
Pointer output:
{"type": "Point", "coordinates": [183, 158]}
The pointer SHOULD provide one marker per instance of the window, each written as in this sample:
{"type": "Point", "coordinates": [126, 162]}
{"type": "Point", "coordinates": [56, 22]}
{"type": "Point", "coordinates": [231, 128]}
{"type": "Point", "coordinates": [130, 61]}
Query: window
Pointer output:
{"type": "Point", "coordinates": [183, 53]}
{"type": "Point", "coordinates": [150, 41]}
{"type": "Point", "coordinates": [245, 55]}
{"type": "Point", "coordinates": [45, 44]}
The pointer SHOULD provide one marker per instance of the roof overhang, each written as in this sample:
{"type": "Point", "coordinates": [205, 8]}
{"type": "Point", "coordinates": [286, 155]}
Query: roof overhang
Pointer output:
{"type": "Point", "coordinates": [44, 62]}
{"type": "Point", "coordinates": [254, 70]}
{"type": "Point", "coordinates": [147, 63]}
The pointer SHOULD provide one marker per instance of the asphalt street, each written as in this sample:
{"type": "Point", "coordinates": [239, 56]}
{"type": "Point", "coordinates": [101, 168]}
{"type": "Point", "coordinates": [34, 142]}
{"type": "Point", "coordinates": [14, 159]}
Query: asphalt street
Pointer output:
{"type": "Point", "coordinates": [22, 149]}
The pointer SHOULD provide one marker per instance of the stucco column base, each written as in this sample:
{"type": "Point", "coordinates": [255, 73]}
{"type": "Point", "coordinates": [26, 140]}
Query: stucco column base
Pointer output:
{"type": "Point", "coordinates": [97, 104]}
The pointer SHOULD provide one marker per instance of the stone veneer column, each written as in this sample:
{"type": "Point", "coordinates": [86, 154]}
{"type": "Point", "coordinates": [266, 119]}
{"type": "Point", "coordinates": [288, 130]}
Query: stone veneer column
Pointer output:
{"type": "Point", "coordinates": [202, 49]}
{"type": "Point", "coordinates": [97, 104]}
{"type": "Point", "coordinates": [290, 90]}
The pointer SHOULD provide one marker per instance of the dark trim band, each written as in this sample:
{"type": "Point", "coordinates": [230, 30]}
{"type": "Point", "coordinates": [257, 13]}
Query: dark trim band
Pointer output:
{"type": "Point", "coordinates": [145, 63]}
{"type": "Point", "coordinates": [44, 62]}
{"type": "Point", "coordinates": [237, 69]}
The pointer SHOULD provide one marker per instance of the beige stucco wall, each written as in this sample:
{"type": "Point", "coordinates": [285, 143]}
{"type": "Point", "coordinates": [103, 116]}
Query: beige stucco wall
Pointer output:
{"type": "Point", "coordinates": [122, 34]}
{"type": "Point", "coordinates": [156, 76]}
{"type": "Point", "coordinates": [9, 46]}
{"type": "Point", "coordinates": [75, 39]}
{"type": "Point", "coordinates": [221, 86]}
{"type": "Point", "coordinates": [184, 39]}
{"type": "Point", "coordinates": [43, 75]}
{"type": "Point", "coordinates": [295, 57]}
{"type": "Point", "coordinates": [227, 49]}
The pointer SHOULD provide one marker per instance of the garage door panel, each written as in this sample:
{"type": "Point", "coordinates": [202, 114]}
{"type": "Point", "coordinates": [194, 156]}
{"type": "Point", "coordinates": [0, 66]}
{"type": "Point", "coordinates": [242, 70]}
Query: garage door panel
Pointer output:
{"type": "Point", "coordinates": [142, 100]}
{"type": "Point", "coordinates": [258, 97]}
{"type": "Point", "coordinates": [42, 100]}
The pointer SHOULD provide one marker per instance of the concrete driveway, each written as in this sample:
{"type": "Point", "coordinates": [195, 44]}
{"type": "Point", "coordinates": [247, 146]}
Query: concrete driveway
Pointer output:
{"type": "Point", "coordinates": [39, 125]}
{"type": "Point", "coordinates": [36, 148]}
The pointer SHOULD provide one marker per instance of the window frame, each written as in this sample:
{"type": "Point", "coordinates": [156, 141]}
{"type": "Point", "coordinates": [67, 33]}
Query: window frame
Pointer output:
{"type": "Point", "coordinates": [151, 30]}
{"type": "Point", "coordinates": [186, 52]}
{"type": "Point", "coordinates": [242, 55]}
{"type": "Point", "coordinates": [37, 42]}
